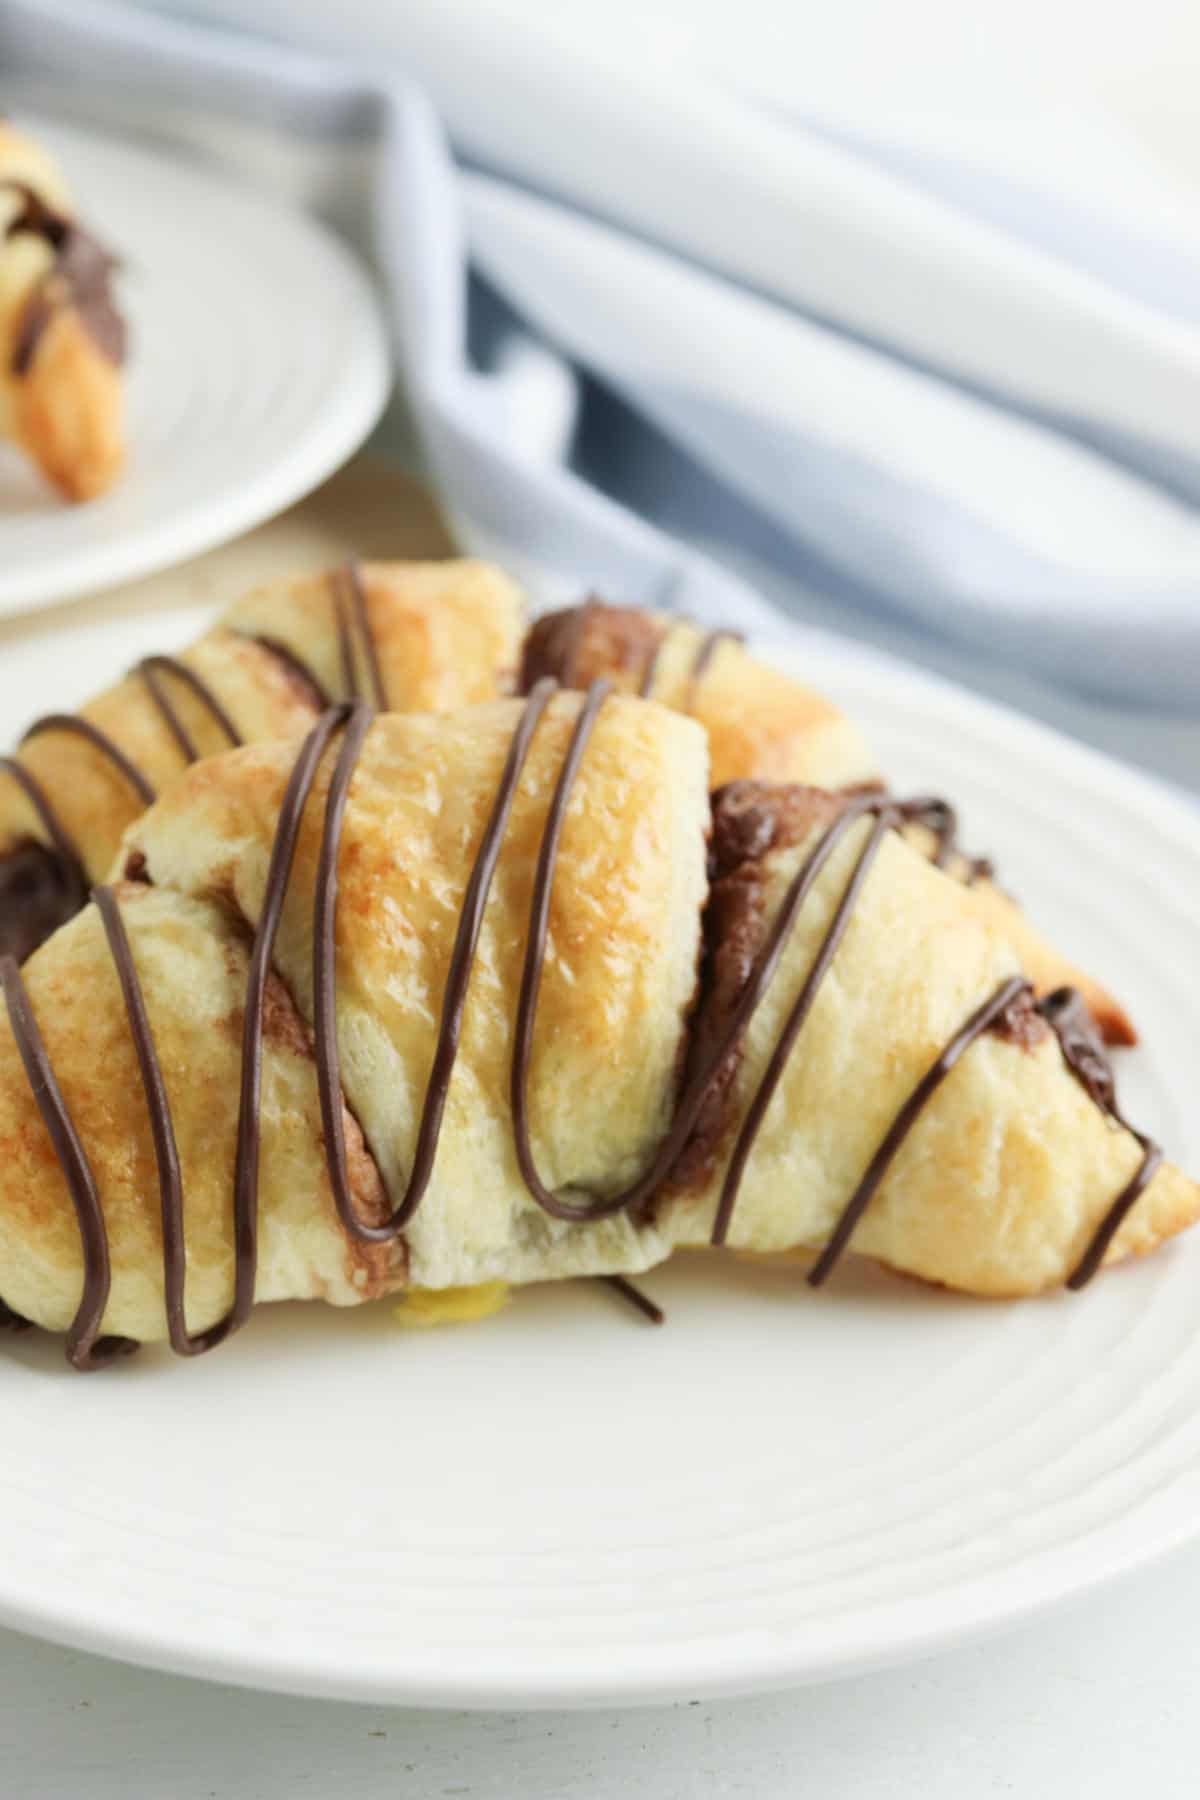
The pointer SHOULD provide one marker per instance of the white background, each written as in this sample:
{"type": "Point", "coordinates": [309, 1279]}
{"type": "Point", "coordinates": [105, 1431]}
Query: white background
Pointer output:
{"type": "Point", "coordinates": [1098, 1700]}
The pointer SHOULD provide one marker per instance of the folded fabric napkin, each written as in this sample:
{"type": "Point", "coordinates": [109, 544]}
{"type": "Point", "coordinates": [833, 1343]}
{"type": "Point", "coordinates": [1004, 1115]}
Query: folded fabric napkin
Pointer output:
{"type": "Point", "coordinates": [949, 402]}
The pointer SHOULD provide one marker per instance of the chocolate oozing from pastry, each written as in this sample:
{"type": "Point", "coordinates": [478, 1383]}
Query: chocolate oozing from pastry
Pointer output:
{"type": "Point", "coordinates": [38, 893]}
{"type": "Point", "coordinates": [80, 278]}
{"type": "Point", "coordinates": [42, 887]}
{"type": "Point", "coordinates": [750, 819]}
{"type": "Point", "coordinates": [557, 645]}
{"type": "Point", "coordinates": [583, 643]}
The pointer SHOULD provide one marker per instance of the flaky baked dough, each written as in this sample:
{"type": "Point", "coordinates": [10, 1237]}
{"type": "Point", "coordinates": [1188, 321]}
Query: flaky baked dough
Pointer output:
{"type": "Point", "coordinates": [766, 726]}
{"type": "Point", "coordinates": [65, 411]}
{"type": "Point", "coordinates": [1010, 1168]}
{"type": "Point", "coordinates": [995, 1192]}
{"type": "Point", "coordinates": [448, 634]}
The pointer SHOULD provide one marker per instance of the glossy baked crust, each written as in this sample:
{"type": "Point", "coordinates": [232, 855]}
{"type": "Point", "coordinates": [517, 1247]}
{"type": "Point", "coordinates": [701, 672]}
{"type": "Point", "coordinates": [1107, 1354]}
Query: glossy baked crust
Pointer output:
{"type": "Point", "coordinates": [63, 405]}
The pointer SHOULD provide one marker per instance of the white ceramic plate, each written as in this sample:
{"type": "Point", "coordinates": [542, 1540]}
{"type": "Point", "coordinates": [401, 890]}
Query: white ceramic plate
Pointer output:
{"type": "Point", "coordinates": [258, 363]}
{"type": "Point", "coordinates": [563, 1506]}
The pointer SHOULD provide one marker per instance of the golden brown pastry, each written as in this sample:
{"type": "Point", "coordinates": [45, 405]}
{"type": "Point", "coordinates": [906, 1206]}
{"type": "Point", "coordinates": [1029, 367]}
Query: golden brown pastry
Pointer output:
{"type": "Point", "coordinates": [766, 726]}
{"type": "Point", "coordinates": [408, 635]}
{"type": "Point", "coordinates": [61, 336]}
{"type": "Point", "coordinates": [462, 954]}
{"type": "Point", "coordinates": [759, 722]}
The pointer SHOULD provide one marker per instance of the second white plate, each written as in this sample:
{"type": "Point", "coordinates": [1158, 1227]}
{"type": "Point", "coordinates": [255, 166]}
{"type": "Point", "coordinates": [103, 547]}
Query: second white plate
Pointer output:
{"type": "Point", "coordinates": [258, 364]}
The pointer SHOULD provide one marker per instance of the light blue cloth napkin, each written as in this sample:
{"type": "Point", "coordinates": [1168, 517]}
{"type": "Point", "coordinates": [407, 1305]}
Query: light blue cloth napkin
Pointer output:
{"type": "Point", "coordinates": [707, 354]}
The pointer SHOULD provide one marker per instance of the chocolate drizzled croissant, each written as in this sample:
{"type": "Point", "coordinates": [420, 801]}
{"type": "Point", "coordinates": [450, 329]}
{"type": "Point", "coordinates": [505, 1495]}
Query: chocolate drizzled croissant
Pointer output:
{"type": "Point", "coordinates": [449, 966]}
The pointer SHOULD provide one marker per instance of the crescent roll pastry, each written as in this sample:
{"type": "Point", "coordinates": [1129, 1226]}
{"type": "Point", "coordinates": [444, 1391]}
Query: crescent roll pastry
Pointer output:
{"type": "Point", "coordinates": [62, 338]}
{"type": "Point", "coordinates": [407, 635]}
{"type": "Point", "coordinates": [765, 726]}
{"type": "Point", "coordinates": [415, 1005]}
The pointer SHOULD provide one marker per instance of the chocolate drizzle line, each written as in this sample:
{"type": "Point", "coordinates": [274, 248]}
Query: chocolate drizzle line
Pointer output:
{"type": "Point", "coordinates": [1066, 1012]}
{"type": "Point", "coordinates": [296, 667]}
{"type": "Point", "coordinates": [85, 1349]}
{"type": "Point", "coordinates": [980, 1021]}
{"type": "Point", "coordinates": [706, 649]}
{"type": "Point", "coordinates": [166, 1152]}
{"type": "Point", "coordinates": [99, 740]}
{"type": "Point", "coordinates": [644, 1304]}
{"type": "Point", "coordinates": [351, 615]}
{"type": "Point", "coordinates": [150, 668]}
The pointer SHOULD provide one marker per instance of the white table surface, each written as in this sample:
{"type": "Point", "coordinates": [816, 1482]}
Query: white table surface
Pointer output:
{"type": "Point", "coordinates": [1097, 1701]}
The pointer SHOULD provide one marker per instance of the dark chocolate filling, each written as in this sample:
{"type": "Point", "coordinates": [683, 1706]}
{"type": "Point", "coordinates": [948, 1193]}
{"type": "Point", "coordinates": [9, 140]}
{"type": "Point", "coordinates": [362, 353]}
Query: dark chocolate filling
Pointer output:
{"type": "Point", "coordinates": [556, 643]}
{"type": "Point", "coordinates": [38, 893]}
{"type": "Point", "coordinates": [86, 1349]}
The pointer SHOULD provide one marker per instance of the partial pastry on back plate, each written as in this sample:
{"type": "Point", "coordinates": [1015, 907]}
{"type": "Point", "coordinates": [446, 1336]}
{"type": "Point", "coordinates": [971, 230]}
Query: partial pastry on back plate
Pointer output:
{"type": "Point", "coordinates": [434, 1002]}
{"type": "Point", "coordinates": [764, 725]}
{"type": "Point", "coordinates": [406, 635]}
{"type": "Point", "coordinates": [61, 334]}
